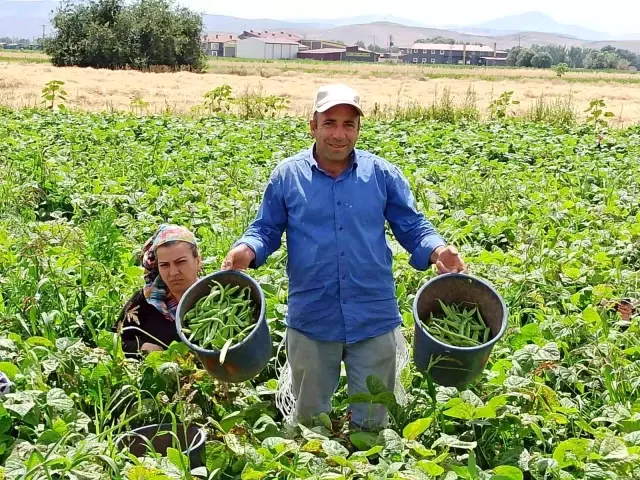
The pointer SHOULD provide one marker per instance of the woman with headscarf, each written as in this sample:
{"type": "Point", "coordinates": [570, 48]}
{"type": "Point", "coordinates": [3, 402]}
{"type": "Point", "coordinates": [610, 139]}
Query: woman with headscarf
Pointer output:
{"type": "Point", "coordinates": [171, 262]}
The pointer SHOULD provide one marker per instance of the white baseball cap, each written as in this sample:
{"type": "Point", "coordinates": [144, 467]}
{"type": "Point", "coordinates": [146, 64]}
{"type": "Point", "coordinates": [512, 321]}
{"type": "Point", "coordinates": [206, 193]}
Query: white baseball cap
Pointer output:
{"type": "Point", "coordinates": [329, 96]}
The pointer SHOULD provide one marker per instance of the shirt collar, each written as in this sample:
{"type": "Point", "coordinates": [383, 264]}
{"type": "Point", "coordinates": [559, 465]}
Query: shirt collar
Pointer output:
{"type": "Point", "coordinates": [311, 160]}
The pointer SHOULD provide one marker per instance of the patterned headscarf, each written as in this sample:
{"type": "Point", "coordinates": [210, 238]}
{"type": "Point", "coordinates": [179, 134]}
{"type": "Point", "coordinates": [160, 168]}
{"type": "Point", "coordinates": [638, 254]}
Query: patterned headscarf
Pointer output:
{"type": "Point", "coordinates": [155, 290]}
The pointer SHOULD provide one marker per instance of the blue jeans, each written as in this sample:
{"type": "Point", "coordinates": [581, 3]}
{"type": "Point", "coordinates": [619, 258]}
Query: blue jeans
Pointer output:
{"type": "Point", "coordinates": [315, 371]}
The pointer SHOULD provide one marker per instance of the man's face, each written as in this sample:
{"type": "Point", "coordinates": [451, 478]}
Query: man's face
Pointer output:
{"type": "Point", "coordinates": [336, 132]}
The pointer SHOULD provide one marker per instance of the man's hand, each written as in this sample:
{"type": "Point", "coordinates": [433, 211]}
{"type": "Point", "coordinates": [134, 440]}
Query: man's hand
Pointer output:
{"type": "Point", "coordinates": [447, 260]}
{"type": "Point", "coordinates": [239, 258]}
{"type": "Point", "coordinates": [151, 347]}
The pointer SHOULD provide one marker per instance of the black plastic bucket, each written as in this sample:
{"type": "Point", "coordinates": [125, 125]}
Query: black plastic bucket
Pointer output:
{"type": "Point", "coordinates": [160, 439]}
{"type": "Point", "coordinates": [456, 366]}
{"type": "Point", "coordinates": [249, 357]}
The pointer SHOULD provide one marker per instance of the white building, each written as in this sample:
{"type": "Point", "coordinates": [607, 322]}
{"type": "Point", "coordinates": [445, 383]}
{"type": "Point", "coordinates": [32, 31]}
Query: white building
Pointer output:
{"type": "Point", "coordinates": [267, 48]}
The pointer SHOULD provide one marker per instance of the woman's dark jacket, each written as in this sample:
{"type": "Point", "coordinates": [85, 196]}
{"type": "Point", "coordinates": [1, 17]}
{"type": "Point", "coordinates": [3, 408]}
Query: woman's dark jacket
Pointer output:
{"type": "Point", "coordinates": [149, 319]}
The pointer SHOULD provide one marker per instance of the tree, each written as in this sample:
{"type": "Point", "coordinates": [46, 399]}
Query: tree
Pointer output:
{"type": "Point", "coordinates": [524, 57]}
{"type": "Point", "coordinates": [575, 57]}
{"type": "Point", "coordinates": [623, 64]}
{"type": "Point", "coordinates": [437, 39]}
{"type": "Point", "coordinates": [512, 57]}
{"type": "Point", "coordinates": [114, 34]}
{"type": "Point", "coordinates": [542, 60]}
{"type": "Point", "coordinates": [360, 43]}
{"type": "Point", "coordinates": [561, 69]}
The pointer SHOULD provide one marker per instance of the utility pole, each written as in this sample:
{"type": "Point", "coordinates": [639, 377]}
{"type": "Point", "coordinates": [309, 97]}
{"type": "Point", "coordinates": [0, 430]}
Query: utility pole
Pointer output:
{"type": "Point", "coordinates": [42, 44]}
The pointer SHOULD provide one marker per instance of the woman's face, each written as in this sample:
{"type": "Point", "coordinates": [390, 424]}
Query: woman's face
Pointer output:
{"type": "Point", "coordinates": [178, 266]}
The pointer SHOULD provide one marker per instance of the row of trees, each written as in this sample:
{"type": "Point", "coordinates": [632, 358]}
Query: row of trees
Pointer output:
{"type": "Point", "coordinates": [374, 48]}
{"type": "Point", "coordinates": [25, 41]}
{"type": "Point", "coordinates": [449, 41]}
{"type": "Point", "coordinates": [575, 57]}
{"type": "Point", "coordinates": [138, 34]}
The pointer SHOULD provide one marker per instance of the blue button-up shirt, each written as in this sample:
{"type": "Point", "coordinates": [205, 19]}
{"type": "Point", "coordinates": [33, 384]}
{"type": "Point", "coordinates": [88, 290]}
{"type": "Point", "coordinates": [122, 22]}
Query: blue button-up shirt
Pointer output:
{"type": "Point", "coordinates": [339, 263]}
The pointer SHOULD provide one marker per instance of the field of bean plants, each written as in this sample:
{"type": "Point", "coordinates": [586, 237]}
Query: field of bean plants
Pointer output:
{"type": "Point", "coordinates": [549, 215]}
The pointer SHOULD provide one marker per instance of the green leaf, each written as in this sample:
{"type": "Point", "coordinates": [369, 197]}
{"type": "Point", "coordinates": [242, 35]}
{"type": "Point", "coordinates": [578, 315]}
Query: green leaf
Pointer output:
{"type": "Point", "coordinates": [48, 437]}
{"type": "Point", "coordinates": [325, 420]}
{"type": "Point", "coordinates": [59, 400]}
{"type": "Point", "coordinates": [430, 468]}
{"type": "Point", "coordinates": [231, 420]}
{"type": "Point", "coordinates": [417, 428]}
{"type": "Point", "coordinates": [515, 382]}
{"type": "Point", "coordinates": [571, 272]}
{"type": "Point", "coordinates": [375, 385]}
{"type": "Point", "coordinates": [363, 440]}
{"type": "Point", "coordinates": [470, 397]}
{"type": "Point", "coordinates": [488, 411]}
{"type": "Point", "coordinates": [452, 441]}
{"type": "Point", "coordinates": [391, 440]}
{"type": "Point", "coordinates": [473, 469]}
{"type": "Point", "coordinates": [358, 398]}
{"type": "Point", "coordinates": [334, 449]}
{"type": "Point", "coordinates": [9, 369]}
{"type": "Point", "coordinates": [388, 399]}
{"type": "Point", "coordinates": [463, 411]}
{"type": "Point", "coordinates": [35, 459]}
{"type": "Point", "coordinates": [199, 472]}
{"type": "Point", "coordinates": [251, 474]}
{"type": "Point", "coordinates": [179, 459]}
{"type": "Point", "coordinates": [613, 448]}
{"type": "Point", "coordinates": [591, 315]}
{"type": "Point", "coordinates": [217, 455]}
{"type": "Point", "coordinates": [548, 353]}
{"type": "Point", "coordinates": [60, 426]}
{"type": "Point", "coordinates": [141, 472]}
{"type": "Point", "coordinates": [508, 472]}
{"type": "Point", "coordinates": [571, 452]}
{"type": "Point", "coordinates": [19, 403]}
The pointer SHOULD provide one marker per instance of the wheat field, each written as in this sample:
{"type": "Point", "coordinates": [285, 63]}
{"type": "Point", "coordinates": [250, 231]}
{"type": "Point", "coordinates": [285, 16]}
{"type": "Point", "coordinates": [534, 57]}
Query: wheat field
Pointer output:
{"type": "Point", "coordinates": [21, 85]}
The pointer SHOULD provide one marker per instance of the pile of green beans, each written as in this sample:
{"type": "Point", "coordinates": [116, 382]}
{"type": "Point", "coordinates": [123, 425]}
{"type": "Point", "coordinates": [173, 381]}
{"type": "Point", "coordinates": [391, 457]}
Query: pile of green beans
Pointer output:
{"type": "Point", "coordinates": [221, 319]}
{"type": "Point", "coordinates": [459, 327]}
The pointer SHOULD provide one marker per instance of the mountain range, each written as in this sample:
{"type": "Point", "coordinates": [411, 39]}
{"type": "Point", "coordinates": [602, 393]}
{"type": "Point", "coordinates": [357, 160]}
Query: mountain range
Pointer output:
{"type": "Point", "coordinates": [24, 19]}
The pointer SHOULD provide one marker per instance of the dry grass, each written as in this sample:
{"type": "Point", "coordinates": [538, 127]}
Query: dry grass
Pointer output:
{"type": "Point", "coordinates": [268, 68]}
{"type": "Point", "coordinates": [91, 89]}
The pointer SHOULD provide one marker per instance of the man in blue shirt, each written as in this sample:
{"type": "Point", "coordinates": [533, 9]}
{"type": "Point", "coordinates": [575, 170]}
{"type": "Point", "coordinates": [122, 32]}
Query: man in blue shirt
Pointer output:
{"type": "Point", "coordinates": [333, 201]}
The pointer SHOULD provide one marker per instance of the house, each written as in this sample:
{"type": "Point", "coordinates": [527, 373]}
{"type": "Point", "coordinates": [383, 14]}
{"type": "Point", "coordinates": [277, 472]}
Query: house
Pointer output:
{"type": "Point", "coordinates": [272, 34]}
{"type": "Point", "coordinates": [320, 44]}
{"type": "Point", "coordinates": [342, 54]}
{"type": "Point", "coordinates": [220, 44]}
{"type": "Point", "coordinates": [498, 60]}
{"type": "Point", "coordinates": [447, 54]}
{"type": "Point", "coordinates": [267, 48]}
{"type": "Point", "coordinates": [323, 54]}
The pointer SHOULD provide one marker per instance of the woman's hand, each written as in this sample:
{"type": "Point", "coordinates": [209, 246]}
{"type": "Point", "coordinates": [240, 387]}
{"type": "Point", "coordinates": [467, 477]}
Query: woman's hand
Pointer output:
{"type": "Point", "coordinates": [151, 347]}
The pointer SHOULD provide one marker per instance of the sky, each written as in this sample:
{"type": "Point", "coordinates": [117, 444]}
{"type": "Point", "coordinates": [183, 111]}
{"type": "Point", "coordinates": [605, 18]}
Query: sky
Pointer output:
{"type": "Point", "coordinates": [617, 17]}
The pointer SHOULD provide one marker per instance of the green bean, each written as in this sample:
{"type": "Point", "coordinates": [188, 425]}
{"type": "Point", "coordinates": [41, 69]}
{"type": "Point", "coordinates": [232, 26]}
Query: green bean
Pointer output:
{"type": "Point", "coordinates": [221, 318]}
{"type": "Point", "coordinates": [458, 326]}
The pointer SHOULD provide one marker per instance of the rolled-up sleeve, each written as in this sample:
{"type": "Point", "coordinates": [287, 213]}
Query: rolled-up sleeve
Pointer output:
{"type": "Point", "coordinates": [264, 234]}
{"type": "Point", "coordinates": [409, 226]}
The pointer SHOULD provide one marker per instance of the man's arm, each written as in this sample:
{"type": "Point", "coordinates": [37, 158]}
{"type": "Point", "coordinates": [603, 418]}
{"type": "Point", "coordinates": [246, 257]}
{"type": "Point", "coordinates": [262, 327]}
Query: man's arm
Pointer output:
{"type": "Point", "coordinates": [409, 226]}
{"type": "Point", "coordinates": [264, 235]}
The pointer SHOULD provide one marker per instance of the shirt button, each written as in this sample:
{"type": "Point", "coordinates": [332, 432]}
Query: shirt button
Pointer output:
{"type": "Point", "coordinates": [342, 254]}
{"type": "Point", "coordinates": [339, 203]}
{"type": "Point", "coordinates": [340, 228]}
{"type": "Point", "coordinates": [344, 277]}
{"type": "Point", "coordinates": [344, 301]}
